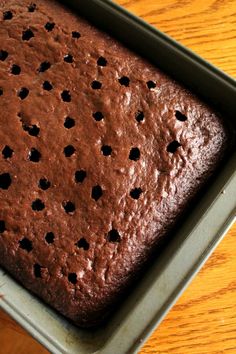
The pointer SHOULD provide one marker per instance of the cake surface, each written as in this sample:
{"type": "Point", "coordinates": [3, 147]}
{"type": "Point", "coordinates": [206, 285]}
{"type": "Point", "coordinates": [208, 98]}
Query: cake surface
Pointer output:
{"type": "Point", "coordinates": [100, 152]}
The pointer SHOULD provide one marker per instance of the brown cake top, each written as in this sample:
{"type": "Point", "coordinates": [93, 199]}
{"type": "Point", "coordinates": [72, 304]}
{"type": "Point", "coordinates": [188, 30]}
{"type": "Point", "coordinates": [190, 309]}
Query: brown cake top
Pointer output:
{"type": "Point", "coordinates": [99, 153]}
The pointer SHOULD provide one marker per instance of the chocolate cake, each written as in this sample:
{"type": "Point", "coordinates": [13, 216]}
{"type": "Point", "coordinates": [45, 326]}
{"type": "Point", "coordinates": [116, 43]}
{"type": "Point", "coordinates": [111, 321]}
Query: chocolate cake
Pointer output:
{"type": "Point", "coordinates": [100, 153]}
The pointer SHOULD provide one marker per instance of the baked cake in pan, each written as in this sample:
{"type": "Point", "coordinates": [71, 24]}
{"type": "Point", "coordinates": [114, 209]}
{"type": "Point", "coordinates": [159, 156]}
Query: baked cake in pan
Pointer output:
{"type": "Point", "coordinates": [100, 152]}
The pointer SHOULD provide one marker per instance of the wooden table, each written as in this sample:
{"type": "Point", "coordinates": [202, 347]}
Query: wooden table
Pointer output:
{"type": "Point", "coordinates": [204, 318]}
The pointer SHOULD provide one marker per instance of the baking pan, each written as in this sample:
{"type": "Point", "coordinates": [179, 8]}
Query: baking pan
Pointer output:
{"type": "Point", "coordinates": [195, 240]}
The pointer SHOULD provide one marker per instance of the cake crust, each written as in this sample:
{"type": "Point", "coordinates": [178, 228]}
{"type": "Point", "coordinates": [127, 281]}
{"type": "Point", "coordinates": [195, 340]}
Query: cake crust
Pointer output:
{"type": "Point", "coordinates": [100, 154]}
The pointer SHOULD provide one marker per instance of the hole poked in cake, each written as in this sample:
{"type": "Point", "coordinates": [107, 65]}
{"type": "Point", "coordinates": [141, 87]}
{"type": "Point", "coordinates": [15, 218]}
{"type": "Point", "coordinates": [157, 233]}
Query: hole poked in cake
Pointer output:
{"type": "Point", "coordinates": [44, 184]}
{"type": "Point", "coordinates": [72, 277]}
{"type": "Point", "coordinates": [7, 152]}
{"type": "Point", "coordinates": [69, 207]}
{"type": "Point", "coordinates": [47, 86]}
{"type": "Point", "coordinates": [106, 150]}
{"type": "Point", "coordinates": [69, 150]}
{"type": "Point", "coordinates": [3, 55]}
{"type": "Point", "coordinates": [44, 66]}
{"type": "Point", "coordinates": [34, 155]}
{"type": "Point", "coordinates": [27, 34]}
{"type": "Point", "coordinates": [134, 154]}
{"type": "Point", "coordinates": [23, 93]}
{"type": "Point", "coordinates": [66, 96]}
{"type": "Point", "coordinates": [1, 91]}
{"type": "Point", "coordinates": [68, 58]}
{"type": "Point", "coordinates": [96, 85]}
{"type": "Point", "coordinates": [7, 15]}
{"type": "Point", "coordinates": [49, 26]}
{"type": "Point", "coordinates": [75, 34]}
{"type": "Point", "coordinates": [80, 176]}
{"type": "Point", "coordinates": [173, 146]}
{"type": "Point", "coordinates": [113, 236]}
{"type": "Point", "coordinates": [135, 193]}
{"type": "Point", "coordinates": [101, 61]}
{"type": "Point", "coordinates": [5, 180]}
{"type": "Point", "coordinates": [96, 193]}
{"type": "Point", "coordinates": [151, 84]}
{"type": "Point", "coordinates": [180, 116]}
{"type": "Point", "coordinates": [124, 81]}
{"type": "Point", "coordinates": [26, 244]}
{"type": "Point", "coordinates": [32, 130]}
{"type": "Point", "coordinates": [32, 7]}
{"type": "Point", "coordinates": [139, 116]}
{"type": "Point", "coordinates": [98, 116]}
{"type": "Point", "coordinates": [2, 226]}
{"type": "Point", "coordinates": [83, 243]}
{"type": "Point", "coordinates": [49, 237]}
{"type": "Point", "coordinates": [37, 270]}
{"type": "Point", "coordinates": [38, 205]}
{"type": "Point", "coordinates": [15, 69]}
{"type": "Point", "coordinates": [69, 123]}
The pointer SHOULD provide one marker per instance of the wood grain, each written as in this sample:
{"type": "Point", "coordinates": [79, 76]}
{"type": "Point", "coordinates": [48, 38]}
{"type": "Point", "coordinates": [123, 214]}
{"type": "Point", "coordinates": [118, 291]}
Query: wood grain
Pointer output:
{"type": "Point", "coordinates": [204, 318]}
{"type": "Point", "coordinates": [206, 26]}
{"type": "Point", "coordinates": [14, 340]}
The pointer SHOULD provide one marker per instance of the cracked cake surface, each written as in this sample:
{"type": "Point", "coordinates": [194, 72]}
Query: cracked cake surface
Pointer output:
{"type": "Point", "coordinates": [100, 152]}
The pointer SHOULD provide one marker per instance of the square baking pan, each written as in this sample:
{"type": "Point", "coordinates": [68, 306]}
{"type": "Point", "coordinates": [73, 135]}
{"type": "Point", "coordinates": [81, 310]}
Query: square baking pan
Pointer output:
{"type": "Point", "coordinates": [192, 243]}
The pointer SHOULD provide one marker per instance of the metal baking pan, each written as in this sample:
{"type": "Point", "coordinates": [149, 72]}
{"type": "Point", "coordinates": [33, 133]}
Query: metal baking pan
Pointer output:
{"type": "Point", "coordinates": [190, 247]}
